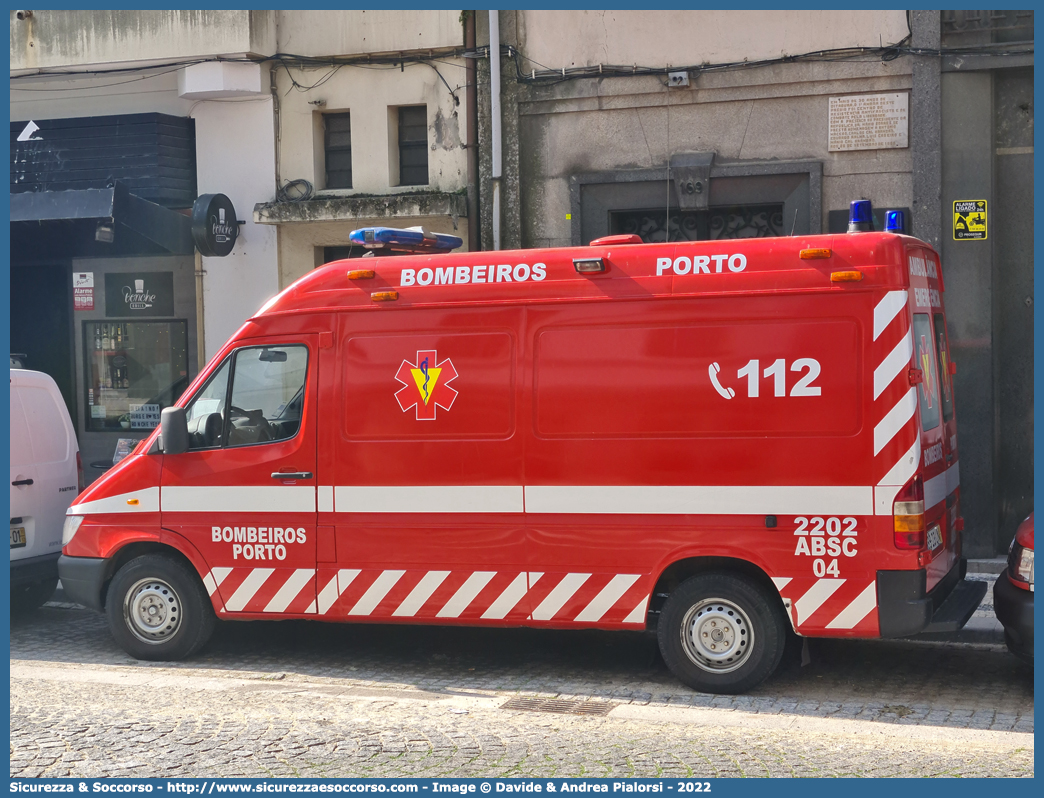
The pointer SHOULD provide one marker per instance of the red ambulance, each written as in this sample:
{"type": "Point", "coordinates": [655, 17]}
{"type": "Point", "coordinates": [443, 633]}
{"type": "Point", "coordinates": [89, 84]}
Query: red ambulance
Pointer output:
{"type": "Point", "coordinates": [721, 441]}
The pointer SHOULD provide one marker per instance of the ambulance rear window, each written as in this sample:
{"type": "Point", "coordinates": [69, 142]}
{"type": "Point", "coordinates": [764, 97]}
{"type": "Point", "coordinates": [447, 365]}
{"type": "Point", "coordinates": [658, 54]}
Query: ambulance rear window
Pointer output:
{"type": "Point", "coordinates": [927, 362]}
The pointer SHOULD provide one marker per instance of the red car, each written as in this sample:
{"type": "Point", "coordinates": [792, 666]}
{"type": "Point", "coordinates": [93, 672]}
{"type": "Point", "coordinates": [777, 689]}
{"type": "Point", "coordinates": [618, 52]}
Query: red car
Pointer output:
{"type": "Point", "coordinates": [1013, 594]}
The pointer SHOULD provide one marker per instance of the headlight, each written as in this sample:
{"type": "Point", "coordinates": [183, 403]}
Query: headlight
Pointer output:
{"type": "Point", "coordinates": [72, 523]}
{"type": "Point", "coordinates": [1020, 566]}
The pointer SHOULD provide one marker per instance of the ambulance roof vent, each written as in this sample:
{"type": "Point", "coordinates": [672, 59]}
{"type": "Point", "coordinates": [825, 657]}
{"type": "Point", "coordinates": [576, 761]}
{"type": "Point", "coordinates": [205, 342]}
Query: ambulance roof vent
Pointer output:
{"type": "Point", "coordinates": [860, 217]}
{"type": "Point", "coordinates": [404, 241]}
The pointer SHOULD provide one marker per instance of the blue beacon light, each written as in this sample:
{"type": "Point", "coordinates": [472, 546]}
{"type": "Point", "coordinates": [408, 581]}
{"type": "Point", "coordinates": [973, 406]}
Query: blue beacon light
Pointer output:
{"type": "Point", "coordinates": [860, 217]}
{"type": "Point", "coordinates": [895, 222]}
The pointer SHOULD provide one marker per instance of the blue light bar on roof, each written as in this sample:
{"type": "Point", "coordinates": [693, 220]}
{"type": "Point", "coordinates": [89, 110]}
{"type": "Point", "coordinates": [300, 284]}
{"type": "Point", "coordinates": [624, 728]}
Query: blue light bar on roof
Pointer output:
{"type": "Point", "coordinates": [895, 222]}
{"type": "Point", "coordinates": [404, 240]}
{"type": "Point", "coordinates": [860, 217]}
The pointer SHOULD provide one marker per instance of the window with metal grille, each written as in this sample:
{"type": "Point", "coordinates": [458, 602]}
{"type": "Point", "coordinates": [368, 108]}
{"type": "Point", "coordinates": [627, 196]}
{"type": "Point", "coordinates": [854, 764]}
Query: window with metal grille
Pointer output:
{"type": "Point", "coordinates": [413, 146]}
{"type": "Point", "coordinates": [338, 150]}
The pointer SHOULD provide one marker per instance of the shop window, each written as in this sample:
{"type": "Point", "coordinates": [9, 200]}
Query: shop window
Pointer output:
{"type": "Point", "coordinates": [413, 145]}
{"type": "Point", "coordinates": [338, 148]}
{"type": "Point", "coordinates": [134, 369]}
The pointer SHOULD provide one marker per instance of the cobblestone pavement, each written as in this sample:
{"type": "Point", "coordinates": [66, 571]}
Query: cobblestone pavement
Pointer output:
{"type": "Point", "coordinates": [310, 699]}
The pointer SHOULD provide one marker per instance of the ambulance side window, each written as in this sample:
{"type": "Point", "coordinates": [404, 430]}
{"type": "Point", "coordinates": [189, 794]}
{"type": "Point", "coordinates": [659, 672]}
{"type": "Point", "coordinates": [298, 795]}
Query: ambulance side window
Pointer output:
{"type": "Point", "coordinates": [206, 413]}
{"type": "Point", "coordinates": [944, 366]}
{"type": "Point", "coordinates": [925, 359]}
{"type": "Point", "coordinates": [267, 394]}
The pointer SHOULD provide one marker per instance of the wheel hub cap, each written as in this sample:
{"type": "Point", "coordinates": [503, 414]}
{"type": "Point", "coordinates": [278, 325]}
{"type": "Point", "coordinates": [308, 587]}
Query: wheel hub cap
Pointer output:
{"type": "Point", "coordinates": [716, 635]}
{"type": "Point", "coordinates": [152, 610]}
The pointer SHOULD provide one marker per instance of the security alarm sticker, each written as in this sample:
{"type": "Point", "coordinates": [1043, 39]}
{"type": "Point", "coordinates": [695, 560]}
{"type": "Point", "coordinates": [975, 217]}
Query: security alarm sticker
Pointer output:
{"type": "Point", "coordinates": [969, 220]}
{"type": "Point", "coordinates": [426, 384]}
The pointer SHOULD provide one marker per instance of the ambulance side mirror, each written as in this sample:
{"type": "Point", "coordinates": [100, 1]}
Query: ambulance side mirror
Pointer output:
{"type": "Point", "coordinates": [174, 429]}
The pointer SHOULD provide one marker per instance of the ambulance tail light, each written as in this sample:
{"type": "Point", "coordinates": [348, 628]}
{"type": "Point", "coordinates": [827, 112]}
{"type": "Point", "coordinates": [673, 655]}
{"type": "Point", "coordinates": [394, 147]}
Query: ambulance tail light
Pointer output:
{"type": "Point", "coordinates": [846, 277]}
{"type": "Point", "coordinates": [815, 253]}
{"type": "Point", "coordinates": [908, 516]}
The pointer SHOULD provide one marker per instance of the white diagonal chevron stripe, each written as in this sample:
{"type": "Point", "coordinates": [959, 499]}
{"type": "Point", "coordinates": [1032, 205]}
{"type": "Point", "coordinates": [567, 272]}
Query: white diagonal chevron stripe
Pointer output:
{"type": "Point", "coordinates": [857, 610]}
{"type": "Point", "coordinates": [637, 615]}
{"type": "Point", "coordinates": [290, 590]}
{"type": "Point", "coordinates": [894, 420]}
{"type": "Point", "coordinates": [507, 600]}
{"type": "Point", "coordinates": [896, 360]}
{"type": "Point", "coordinates": [246, 591]}
{"type": "Point", "coordinates": [815, 597]}
{"type": "Point", "coordinates": [887, 309]}
{"type": "Point", "coordinates": [421, 593]}
{"type": "Point", "coordinates": [465, 594]}
{"type": "Point", "coordinates": [377, 591]}
{"type": "Point", "coordinates": [208, 583]}
{"type": "Point", "coordinates": [562, 592]}
{"type": "Point", "coordinates": [327, 596]}
{"type": "Point", "coordinates": [781, 581]}
{"type": "Point", "coordinates": [606, 598]}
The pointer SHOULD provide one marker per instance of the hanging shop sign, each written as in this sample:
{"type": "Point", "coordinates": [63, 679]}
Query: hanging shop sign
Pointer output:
{"type": "Point", "coordinates": [83, 290]}
{"type": "Point", "coordinates": [969, 220]}
{"type": "Point", "coordinates": [214, 225]}
{"type": "Point", "coordinates": [139, 294]}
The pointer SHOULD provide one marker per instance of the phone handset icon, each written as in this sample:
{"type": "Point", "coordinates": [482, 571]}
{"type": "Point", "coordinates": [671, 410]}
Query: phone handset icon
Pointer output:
{"type": "Point", "coordinates": [712, 372]}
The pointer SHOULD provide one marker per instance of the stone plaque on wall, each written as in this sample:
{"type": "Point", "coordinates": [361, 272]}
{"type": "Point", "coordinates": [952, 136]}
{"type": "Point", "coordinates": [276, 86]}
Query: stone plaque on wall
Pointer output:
{"type": "Point", "coordinates": [869, 122]}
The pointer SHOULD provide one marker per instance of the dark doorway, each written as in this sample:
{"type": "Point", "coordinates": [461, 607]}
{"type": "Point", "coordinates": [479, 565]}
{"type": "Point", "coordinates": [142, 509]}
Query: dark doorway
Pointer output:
{"type": "Point", "coordinates": [41, 314]}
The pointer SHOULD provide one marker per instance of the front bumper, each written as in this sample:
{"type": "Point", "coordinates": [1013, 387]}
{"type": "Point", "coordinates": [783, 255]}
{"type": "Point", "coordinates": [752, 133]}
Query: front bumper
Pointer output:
{"type": "Point", "coordinates": [34, 569]}
{"type": "Point", "coordinates": [1014, 608]}
{"type": "Point", "coordinates": [905, 607]}
{"type": "Point", "coordinates": [83, 580]}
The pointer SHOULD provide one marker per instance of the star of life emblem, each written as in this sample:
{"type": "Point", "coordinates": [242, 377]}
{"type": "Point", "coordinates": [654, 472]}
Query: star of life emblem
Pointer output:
{"type": "Point", "coordinates": [426, 384]}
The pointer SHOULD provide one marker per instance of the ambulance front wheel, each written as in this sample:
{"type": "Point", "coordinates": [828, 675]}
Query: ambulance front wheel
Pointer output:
{"type": "Point", "coordinates": [721, 633]}
{"type": "Point", "coordinates": [158, 610]}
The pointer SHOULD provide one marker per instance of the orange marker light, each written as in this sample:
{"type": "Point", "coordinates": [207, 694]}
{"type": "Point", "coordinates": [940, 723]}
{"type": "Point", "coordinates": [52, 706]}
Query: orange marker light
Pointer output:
{"type": "Point", "coordinates": [360, 274]}
{"type": "Point", "coordinates": [384, 296]}
{"type": "Point", "coordinates": [132, 502]}
{"type": "Point", "coordinates": [845, 277]}
{"type": "Point", "coordinates": [815, 254]}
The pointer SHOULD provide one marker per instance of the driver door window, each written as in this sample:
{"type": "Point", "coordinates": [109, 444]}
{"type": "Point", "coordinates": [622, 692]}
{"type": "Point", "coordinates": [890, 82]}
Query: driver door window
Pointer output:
{"type": "Point", "coordinates": [262, 404]}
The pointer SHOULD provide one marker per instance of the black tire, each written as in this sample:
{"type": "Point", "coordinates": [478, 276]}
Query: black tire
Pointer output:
{"type": "Point", "coordinates": [158, 610]}
{"type": "Point", "coordinates": [26, 598]}
{"type": "Point", "coordinates": [740, 628]}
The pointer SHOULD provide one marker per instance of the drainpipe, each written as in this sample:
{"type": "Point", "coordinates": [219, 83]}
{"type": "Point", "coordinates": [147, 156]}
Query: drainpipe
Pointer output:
{"type": "Point", "coordinates": [474, 229]}
{"type": "Point", "coordinates": [494, 93]}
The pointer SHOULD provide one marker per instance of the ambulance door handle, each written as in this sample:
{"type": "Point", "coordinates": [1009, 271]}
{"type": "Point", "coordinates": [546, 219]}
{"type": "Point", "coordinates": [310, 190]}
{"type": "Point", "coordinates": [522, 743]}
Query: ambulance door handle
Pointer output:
{"type": "Point", "coordinates": [291, 475]}
{"type": "Point", "coordinates": [19, 482]}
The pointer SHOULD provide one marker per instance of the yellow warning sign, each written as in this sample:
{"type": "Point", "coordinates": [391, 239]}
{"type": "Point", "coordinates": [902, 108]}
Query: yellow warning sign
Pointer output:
{"type": "Point", "coordinates": [969, 220]}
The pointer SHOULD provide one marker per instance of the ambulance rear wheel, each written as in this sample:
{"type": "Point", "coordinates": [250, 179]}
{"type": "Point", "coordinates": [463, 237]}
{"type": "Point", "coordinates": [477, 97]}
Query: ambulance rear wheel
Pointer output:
{"type": "Point", "coordinates": [721, 633]}
{"type": "Point", "coordinates": [157, 609]}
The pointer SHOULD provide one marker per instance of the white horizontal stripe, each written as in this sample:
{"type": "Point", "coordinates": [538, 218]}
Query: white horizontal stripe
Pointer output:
{"type": "Point", "coordinates": [939, 487]}
{"type": "Point", "coordinates": [238, 498]}
{"type": "Point", "coordinates": [507, 600]}
{"type": "Point", "coordinates": [816, 597]}
{"type": "Point", "coordinates": [884, 498]}
{"type": "Point", "coordinates": [562, 592]}
{"type": "Point", "coordinates": [637, 615]}
{"type": "Point", "coordinates": [894, 420]}
{"type": "Point", "coordinates": [246, 591]}
{"type": "Point", "coordinates": [290, 590]}
{"type": "Point", "coordinates": [887, 309]}
{"type": "Point", "coordinates": [606, 598]}
{"type": "Point", "coordinates": [701, 499]}
{"type": "Point", "coordinates": [465, 594]}
{"type": "Point", "coordinates": [421, 593]}
{"type": "Point", "coordinates": [896, 361]}
{"type": "Point", "coordinates": [857, 610]}
{"type": "Point", "coordinates": [325, 498]}
{"type": "Point", "coordinates": [428, 498]}
{"type": "Point", "coordinates": [148, 502]}
{"type": "Point", "coordinates": [377, 591]}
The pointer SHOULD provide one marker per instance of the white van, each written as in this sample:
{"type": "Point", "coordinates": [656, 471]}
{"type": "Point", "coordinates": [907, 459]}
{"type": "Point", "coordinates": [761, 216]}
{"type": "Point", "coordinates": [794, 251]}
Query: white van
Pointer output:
{"type": "Point", "coordinates": [46, 475]}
